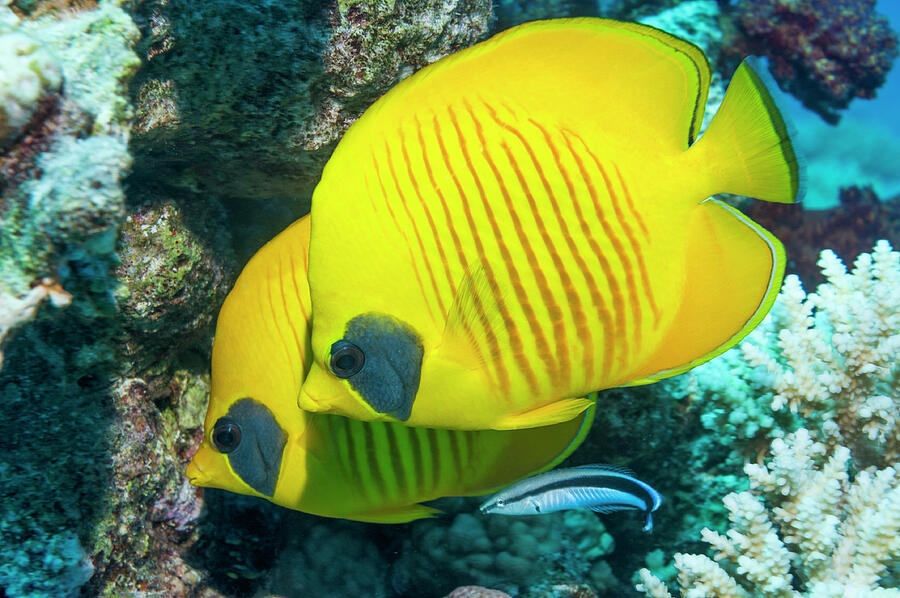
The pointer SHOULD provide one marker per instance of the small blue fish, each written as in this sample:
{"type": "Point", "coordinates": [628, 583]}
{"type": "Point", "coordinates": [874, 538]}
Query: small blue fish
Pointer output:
{"type": "Point", "coordinates": [600, 488]}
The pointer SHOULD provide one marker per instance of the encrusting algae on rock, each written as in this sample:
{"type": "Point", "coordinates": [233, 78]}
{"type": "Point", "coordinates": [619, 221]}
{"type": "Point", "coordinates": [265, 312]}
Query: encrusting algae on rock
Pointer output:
{"type": "Point", "coordinates": [61, 197]}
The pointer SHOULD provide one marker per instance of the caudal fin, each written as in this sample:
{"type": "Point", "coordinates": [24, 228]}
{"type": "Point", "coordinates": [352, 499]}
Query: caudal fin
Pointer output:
{"type": "Point", "coordinates": [748, 143]}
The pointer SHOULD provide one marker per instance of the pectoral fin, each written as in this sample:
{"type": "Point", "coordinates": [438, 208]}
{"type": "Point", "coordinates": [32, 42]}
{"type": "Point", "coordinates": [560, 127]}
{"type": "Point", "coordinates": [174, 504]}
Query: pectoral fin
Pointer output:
{"type": "Point", "coordinates": [474, 319]}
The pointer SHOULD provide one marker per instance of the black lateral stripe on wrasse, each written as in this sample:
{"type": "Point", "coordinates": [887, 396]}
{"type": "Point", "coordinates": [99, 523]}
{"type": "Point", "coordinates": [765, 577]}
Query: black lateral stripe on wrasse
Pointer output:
{"type": "Point", "coordinates": [610, 507]}
{"type": "Point", "coordinates": [593, 480]}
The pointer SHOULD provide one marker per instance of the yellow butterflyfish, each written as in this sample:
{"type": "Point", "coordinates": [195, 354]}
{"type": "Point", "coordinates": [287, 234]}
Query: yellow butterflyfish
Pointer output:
{"type": "Point", "coordinates": [531, 219]}
{"type": "Point", "coordinates": [257, 442]}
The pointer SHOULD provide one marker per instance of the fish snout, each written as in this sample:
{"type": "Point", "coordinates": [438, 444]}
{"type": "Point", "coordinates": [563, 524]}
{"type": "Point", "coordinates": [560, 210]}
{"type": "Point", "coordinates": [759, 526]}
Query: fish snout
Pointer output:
{"type": "Point", "coordinates": [308, 403]}
{"type": "Point", "coordinates": [195, 475]}
{"type": "Point", "coordinates": [201, 470]}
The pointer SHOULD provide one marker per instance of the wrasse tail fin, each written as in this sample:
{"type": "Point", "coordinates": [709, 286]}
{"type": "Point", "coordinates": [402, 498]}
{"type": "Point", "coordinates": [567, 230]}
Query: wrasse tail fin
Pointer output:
{"type": "Point", "coordinates": [403, 514]}
{"type": "Point", "coordinates": [735, 269]}
{"type": "Point", "coordinates": [554, 413]}
{"type": "Point", "coordinates": [748, 143]}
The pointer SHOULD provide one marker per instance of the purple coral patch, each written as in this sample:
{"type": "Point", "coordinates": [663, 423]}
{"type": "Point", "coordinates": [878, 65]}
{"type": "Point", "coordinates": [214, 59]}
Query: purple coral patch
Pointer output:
{"type": "Point", "coordinates": [825, 52]}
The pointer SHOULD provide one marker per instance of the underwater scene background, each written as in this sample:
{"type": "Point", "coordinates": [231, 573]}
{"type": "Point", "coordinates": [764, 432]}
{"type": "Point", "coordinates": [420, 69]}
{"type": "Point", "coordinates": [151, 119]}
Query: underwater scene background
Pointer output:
{"type": "Point", "coordinates": [148, 149]}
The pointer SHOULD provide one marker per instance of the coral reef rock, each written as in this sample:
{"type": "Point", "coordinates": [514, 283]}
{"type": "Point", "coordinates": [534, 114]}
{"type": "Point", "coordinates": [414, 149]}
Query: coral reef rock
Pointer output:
{"type": "Point", "coordinates": [848, 229]}
{"type": "Point", "coordinates": [61, 195]}
{"type": "Point", "coordinates": [517, 554]}
{"type": "Point", "coordinates": [248, 99]}
{"type": "Point", "coordinates": [30, 73]}
{"type": "Point", "coordinates": [175, 268]}
{"type": "Point", "coordinates": [825, 52]}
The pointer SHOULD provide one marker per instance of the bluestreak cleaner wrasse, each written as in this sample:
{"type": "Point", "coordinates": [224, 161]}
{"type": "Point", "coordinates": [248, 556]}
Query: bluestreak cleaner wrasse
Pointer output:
{"type": "Point", "coordinates": [258, 442]}
{"type": "Point", "coordinates": [530, 220]}
{"type": "Point", "coordinates": [597, 487]}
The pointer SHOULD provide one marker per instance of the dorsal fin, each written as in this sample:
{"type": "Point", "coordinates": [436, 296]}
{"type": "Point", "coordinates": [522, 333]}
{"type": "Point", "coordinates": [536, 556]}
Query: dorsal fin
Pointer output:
{"type": "Point", "coordinates": [575, 67]}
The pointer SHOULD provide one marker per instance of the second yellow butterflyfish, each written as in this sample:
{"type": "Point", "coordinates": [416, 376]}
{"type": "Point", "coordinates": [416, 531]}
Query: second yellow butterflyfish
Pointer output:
{"type": "Point", "coordinates": [257, 442]}
{"type": "Point", "coordinates": [531, 219]}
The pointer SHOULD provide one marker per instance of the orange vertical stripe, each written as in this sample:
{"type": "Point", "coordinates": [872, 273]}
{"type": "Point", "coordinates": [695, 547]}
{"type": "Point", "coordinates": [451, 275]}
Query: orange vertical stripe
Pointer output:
{"type": "Point", "coordinates": [297, 287]}
{"type": "Point", "coordinates": [500, 367]}
{"type": "Point", "coordinates": [412, 223]}
{"type": "Point", "coordinates": [615, 291]}
{"type": "Point", "coordinates": [596, 300]}
{"type": "Point", "coordinates": [287, 310]}
{"type": "Point", "coordinates": [543, 347]}
{"type": "Point", "coordinates": [448, 222]}
{"type": "Point", "coordinates": [645, 278]}
{"type": "Point", "coordinates": [268, 289]}
{"type": "Point", "coordinates": [514, 340]}
{"type": "Point", "coordinates": [431, 225]}
{"type": "Point", "coordinates": [561, 373]}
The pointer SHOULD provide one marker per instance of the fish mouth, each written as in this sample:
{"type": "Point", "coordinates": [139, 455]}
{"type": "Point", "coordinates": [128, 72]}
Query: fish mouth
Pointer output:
{"type": "Point", "coordinates": [308, 403]}
{"type": "Point", "coordinates": [196, 475]}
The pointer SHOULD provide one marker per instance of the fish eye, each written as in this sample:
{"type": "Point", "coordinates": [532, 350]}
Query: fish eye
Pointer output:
{"type": "Point", "coordinates": [346, 359]}
{"type": "Point", "coordinates": [226, 435]}
{"type": "Point", "coordinates": [501, 502]}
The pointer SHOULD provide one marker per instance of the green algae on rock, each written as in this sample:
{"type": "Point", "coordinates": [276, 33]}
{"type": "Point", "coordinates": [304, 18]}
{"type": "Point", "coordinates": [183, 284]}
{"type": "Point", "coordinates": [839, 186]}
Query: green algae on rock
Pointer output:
{"type": "Point", "coordinates": [175, 268]}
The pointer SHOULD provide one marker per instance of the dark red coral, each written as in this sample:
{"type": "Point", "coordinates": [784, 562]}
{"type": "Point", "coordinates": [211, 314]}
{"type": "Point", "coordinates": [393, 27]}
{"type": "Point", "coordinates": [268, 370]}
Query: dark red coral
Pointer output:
{"type": "Point", "coordinates": [849, 229]}
{"type": "Point", "coordinates": [825, 52]}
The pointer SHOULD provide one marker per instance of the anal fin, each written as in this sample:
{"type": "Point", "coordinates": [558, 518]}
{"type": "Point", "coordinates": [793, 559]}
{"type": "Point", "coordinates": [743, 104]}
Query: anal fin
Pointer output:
{"type": "Point", "coordinates": [554, 413]}
{"type": "Point", "coordinates": [402, 514]}
{"type": "Point", "coordinates": [734, 272]}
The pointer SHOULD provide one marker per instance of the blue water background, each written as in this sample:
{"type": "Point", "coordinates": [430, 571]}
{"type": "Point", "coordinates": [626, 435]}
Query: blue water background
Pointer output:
{"type": "Point", "coordinates": [864, 149]}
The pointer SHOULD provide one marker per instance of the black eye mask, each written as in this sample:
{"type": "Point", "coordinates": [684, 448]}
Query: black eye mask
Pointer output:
{"type": "Point", "coordinates": [256, 457]}
{"type": "Point", "coordinates": [389, 377]}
